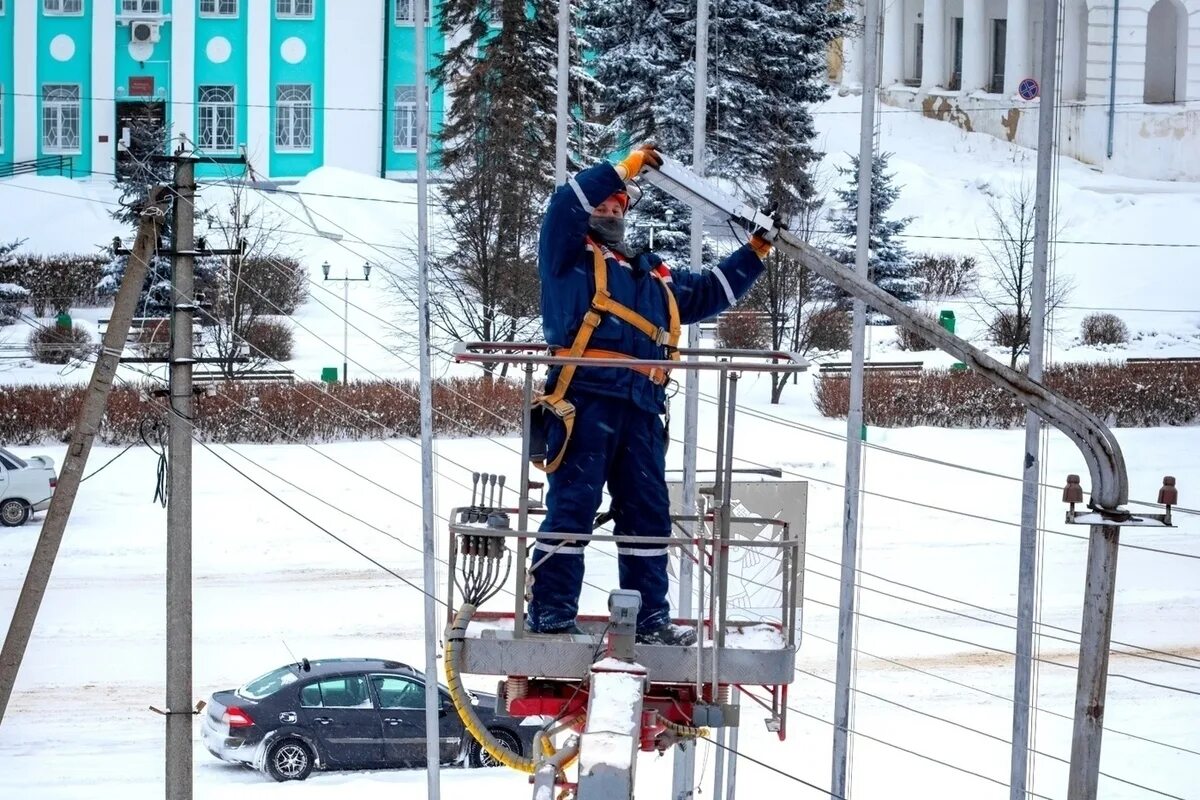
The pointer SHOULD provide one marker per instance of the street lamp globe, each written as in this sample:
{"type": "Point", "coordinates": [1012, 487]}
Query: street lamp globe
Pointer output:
{"type": "Point", "coordinates": [367, 271]}
{"type": "Point", "coordinates": [325, 270]}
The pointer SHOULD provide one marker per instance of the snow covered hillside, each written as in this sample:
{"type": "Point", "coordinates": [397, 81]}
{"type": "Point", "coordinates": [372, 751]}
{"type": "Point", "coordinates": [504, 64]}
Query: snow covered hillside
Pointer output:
{"type": "Point", "coordinates": [269, 584]}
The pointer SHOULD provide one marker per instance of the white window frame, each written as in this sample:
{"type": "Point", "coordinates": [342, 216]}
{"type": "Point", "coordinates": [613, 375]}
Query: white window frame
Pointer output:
{"type": "Point", "coordinates": [289, 107]}
{"type": "Point", "coordinates": [409, 17]}
{"type": "Point", "coordinates": [58, 8]}
{"type": "Point", "coordinates": [399, 145]}
{"type": "Point", "coordinates": [221, 113]}
{"type": "Point", "coordinates": [286, 9]}
{"type": "Point", "coordinates": [58, 106]}
{"type": "Point", "coordinates": [216, 6]}
{"type": "Point", "coordinates": [139, 7]}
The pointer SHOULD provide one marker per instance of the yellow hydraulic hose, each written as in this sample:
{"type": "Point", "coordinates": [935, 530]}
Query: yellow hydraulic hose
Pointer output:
{"type": "Point", "coordinates": [682, 731]}
{"type": "Point", "coordinates": [462, 703]}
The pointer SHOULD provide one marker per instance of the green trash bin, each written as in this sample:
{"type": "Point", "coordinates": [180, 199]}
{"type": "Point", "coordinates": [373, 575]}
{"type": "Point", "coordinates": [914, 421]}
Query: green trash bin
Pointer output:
{"type": "Point", "coordinates": [63, 321]}
{"type": "Point", "coordinates": [946, 319]}
{"type": "Point", "coordinates": [329, 374]}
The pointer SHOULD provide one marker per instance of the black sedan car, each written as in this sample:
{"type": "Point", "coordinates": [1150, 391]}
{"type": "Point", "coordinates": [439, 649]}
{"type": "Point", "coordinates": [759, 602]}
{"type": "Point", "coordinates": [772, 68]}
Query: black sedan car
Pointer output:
{"type": "Point", "coordinates": [345, 713]}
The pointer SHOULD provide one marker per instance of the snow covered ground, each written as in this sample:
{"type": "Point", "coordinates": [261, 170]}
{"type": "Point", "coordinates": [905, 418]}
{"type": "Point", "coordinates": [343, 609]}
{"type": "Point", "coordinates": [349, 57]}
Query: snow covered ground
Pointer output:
{"type": "Point", "coordinates": [268, 584]}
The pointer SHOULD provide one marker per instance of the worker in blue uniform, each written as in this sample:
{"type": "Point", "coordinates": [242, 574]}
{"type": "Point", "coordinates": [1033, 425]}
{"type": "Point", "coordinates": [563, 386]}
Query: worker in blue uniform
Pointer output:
{"type": "Point", "coordinates": [602, 424]}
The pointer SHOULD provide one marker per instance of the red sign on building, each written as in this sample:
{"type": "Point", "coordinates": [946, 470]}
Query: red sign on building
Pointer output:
{"type": "Point", "coordinates": [141, 86]}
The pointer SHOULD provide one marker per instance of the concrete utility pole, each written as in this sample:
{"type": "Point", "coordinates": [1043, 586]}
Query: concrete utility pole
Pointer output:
{"type": "Point", "coordinates": [854, 419]}
{"type": "Point", "coordinates": [433, 703]}
{"type": "Point", "coordinates": [82, 438]}
{"type": "Point", "coordinates": [179, 488]}
{"type": "Point", "coordinates": [1030, 490]}
{"type": "Point", "coordinates": [683, 780]}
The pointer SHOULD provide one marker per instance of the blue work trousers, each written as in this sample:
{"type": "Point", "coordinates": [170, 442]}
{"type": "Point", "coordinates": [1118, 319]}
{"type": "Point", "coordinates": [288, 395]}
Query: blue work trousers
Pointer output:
{"type": "Point", "coordinates": [617, 443]}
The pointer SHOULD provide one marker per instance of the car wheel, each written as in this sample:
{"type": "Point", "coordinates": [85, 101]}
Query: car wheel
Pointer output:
{"type": "Point", "coordinates": [14, 513]}
{"type": "Point", "coordinates": [478, 757]}
{"type": "Point", "coordinates": [289, 760]}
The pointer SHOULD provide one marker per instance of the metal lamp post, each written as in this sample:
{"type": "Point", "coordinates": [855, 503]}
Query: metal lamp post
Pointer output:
{"type": "Point", "coordinates": [346, 281]}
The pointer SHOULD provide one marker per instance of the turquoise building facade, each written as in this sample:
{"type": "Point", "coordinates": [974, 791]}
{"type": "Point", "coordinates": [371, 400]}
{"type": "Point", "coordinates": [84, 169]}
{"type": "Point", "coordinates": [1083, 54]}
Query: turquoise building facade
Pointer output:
{"type": "Point", "coordinates": [294, 84]}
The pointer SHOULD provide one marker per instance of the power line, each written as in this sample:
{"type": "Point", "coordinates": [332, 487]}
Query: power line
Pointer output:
{"type": "Point", "coordinates": [915, 753]}
{"type": "Point", "coordinates": [1120, 107]}
{"type": "Point", "coordinates": [998, 696]}
{"type": "Point", "coordinates": [876, 576]}
{"type": "Point", "coordinates": [1000, 650]}
{"type": "Point", "coordinates": [774, 769]}
{"type": "Point", "coordinates": [985, 734]}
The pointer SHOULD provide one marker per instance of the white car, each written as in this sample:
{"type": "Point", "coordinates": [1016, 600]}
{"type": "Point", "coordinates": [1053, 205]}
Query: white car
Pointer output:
{"type": "Point", "coordinates": [25, 487]}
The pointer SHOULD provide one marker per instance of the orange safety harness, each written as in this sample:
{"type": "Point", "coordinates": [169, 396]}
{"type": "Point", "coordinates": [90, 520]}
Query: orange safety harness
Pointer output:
{"type": "Point", "coordinates": [602, 303]}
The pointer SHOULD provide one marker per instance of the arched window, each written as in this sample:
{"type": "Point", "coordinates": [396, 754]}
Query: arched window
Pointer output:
{"type": "Point", "coordinates": [1166, 53]}
{"type": "Point", "coordinates": [293, 117]}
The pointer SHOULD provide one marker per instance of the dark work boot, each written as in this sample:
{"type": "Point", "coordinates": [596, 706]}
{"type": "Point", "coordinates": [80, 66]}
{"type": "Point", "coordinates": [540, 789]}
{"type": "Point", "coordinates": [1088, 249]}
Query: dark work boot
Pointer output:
{"type": "Point", "coordinates": [669, 634]}
{"type": "Point", "coordinates": [570, 630]}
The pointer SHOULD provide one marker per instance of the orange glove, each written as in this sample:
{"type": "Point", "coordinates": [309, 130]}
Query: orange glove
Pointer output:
{"type": "Point", "coordinates": [760, 246]}
{"type": "Point", "coordinates": [644, 155]}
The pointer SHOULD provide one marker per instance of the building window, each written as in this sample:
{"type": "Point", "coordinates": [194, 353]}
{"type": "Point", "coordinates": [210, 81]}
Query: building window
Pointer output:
{"type": "Point", "coordinates": [219, 8]}
{"type": "Point", "coordinates": [293, 117]}
{"type": "Point", "coordinates": [217, 122]}
{"type": "Point", "coordinates": [294, 8]}
{"type": "Point", "coordinates": [62, 6]}
{"type": "Point", "coordinates": [404, 105]}
{"type": "Point", "coordinates": [406, 11]}
{"type": "Point", "coordinates": [60, 118]}
{"type": "Point", "coordinates": [141, 6]}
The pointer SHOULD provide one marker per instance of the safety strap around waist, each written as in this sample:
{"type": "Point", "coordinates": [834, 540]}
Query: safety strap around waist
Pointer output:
{"type": "Point", "coordinates": [657, 375]}
{"type": "Point", "coordinates": [602, 303]}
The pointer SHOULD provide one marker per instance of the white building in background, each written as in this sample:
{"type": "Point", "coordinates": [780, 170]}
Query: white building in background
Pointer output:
{"type": "Point", "coordinates": [1129, 75]}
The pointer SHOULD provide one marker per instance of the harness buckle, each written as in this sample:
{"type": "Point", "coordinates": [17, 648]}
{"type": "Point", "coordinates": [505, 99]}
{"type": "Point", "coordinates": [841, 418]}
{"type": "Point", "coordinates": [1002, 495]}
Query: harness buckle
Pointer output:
{"type": "Point", "coordinates": [592, 318]}
{"type": "Point", "coordinates": [662, 338]}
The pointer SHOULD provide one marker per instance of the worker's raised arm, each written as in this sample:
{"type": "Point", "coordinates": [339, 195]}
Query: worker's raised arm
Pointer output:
{"type": "Point", "coordinates": [705, 294]}
{"type": "Point", "coordinates": [565, 226]}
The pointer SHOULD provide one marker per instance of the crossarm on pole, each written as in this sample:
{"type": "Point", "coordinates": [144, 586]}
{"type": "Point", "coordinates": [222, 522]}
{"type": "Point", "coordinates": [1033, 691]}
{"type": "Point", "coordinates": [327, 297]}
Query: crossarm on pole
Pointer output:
{"type": "Point", "coordinates": [1102, 453]}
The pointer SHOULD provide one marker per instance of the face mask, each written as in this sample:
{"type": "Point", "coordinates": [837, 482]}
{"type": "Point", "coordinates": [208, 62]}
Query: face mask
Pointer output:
{"type": "Point", "coordinates": [609, 230]}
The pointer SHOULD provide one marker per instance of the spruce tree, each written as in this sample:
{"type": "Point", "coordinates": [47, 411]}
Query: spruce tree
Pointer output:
{"type": "Point", "coordinates": [135, 175]}
{"type": "Point", "coordinates": [643, 58]}
{"type": "Point", "coordinates": [497, 156]}
{"type": "Point", "coordinates": [890, 265]}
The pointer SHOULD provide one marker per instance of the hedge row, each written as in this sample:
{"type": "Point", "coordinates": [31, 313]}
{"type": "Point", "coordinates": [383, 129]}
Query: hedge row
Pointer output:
{"type": "Point", "coordinates": [1132, 396]}
{"type": "Point", "coordinates": [273, 413]}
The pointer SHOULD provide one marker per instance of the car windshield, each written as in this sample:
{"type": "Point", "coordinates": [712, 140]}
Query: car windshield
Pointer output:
{"type": "Point", "coordinates": [13, 459]}
{"type": "Point", "coordinates": [268, 684]}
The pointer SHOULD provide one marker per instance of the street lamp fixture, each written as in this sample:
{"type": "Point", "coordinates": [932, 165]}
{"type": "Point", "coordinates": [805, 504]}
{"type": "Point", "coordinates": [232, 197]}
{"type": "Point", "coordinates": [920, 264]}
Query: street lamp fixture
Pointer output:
{"type": "Point", "coordinates": [346, 281]}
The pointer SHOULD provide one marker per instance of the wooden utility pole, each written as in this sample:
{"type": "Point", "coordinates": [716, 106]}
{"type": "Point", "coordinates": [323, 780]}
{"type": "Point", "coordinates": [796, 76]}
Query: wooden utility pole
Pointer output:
{"type": "Point", "coordinates": [82, 438]}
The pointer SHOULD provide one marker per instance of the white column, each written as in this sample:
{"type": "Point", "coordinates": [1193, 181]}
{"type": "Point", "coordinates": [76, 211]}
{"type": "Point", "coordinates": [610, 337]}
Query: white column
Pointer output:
{"type": "Point", "coordinates": [258, 86]}
{"type": "Point", "coordinates": [852, 62]}
{"type": "Point", "coordinates": [1017, 63]}
{"type": "Point", "coordinates": [104, 107]}
{"type": "Point", "coordinates": [26, 125]}
{"type": "Point", "coordinates": [933, 45]}
{"type": "Point", "coordinates": [181, 91]}
{"type": "Point", "coordinates": [975, 46]}
{"type": "Point", "coordinates": [1193, 54]}
{"type": "Point", "coordinates": [893, 43]}
{"type": "Point", "coordinates": [352, 137]}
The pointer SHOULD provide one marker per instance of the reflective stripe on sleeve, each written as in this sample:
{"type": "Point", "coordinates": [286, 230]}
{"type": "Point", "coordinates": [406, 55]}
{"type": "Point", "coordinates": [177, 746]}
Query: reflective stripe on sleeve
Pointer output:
{"type": "Point", "coordinates": [725, 285]}
{"type": "Point", "coordinates": [579, 195]}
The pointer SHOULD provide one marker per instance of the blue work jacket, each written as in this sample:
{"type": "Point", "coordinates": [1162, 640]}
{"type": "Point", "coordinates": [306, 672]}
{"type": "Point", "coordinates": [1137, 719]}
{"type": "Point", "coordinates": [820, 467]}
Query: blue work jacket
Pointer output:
{"type": "Point", "coordinates": [568, 284]}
